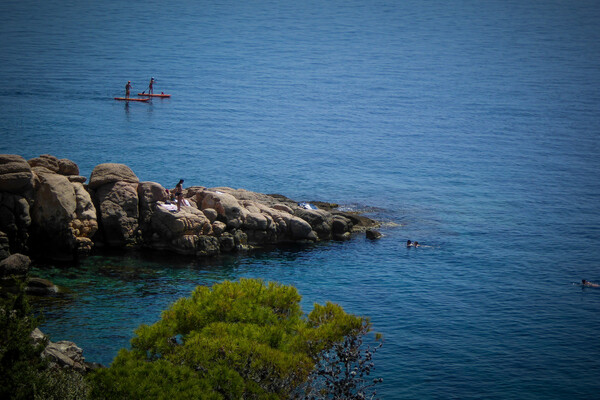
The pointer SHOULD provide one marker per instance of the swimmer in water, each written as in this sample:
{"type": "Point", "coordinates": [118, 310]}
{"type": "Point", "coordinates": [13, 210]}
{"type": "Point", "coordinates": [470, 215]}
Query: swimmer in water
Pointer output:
{"type": "Point", "coordinates": [417, 244]}
{"type": "Point", "coordinates": [588, 283]}
{"type": "Point", "coordinates": [409, 243]}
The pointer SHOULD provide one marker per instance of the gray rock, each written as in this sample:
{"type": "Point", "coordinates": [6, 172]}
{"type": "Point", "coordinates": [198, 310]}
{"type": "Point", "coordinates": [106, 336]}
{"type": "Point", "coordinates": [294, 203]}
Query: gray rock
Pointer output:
{"type": "Point", "coordinates": [226, 205]}
{"type": "Point", "coordinates": [211, 214]}
{"type": "Point", "coordinates": [283, 207]}
{"type": "Point", "coordinates": [37, 336]}
{"type": "Point", "coordinates": [373, 234]}
{"type": "Point", "coordinates": [67, 167]}
{"type": "Point", "coordinates": [319, 220]}
{"type": "Point", "coordinates": [46, 161]}
{"type": "Point", "coordinates": [207, 246]}
{"type": "Point", "coordinates": [241, 239]}
{"type": "Point", "coordinates": [188, 221]}
{"type": "Point", "coordinates": [15, 174]}
{"type": "Point", "coordinates": [63, 216]}
{"type": "Point", "coordinates": [340, 225]}
{"type": "Point", "coordinates": [227, 242]}
{"type": "Point", "coordinates": [299, 228]}
{"type": "Point", "coordinates": [256, 222]}
{"type": "Point", "coordinates": [107, 173]}
{"type": "Point", "coordinates": [77, 178]}
{"type": "Point", "coordinates": [65, 354]}
{"type": "Point", "coordinates": [218, 228]}
{"type": "Point", "coordinates": [41, 287]}
{"type": "Point", "coordinates": [342, 236]}
{"type": "Point", "coordinates": [149, 193]}
{"type": "Point", "coordinates": [16, 264]}
{"type": "Point", "coordinates": [117, 206]}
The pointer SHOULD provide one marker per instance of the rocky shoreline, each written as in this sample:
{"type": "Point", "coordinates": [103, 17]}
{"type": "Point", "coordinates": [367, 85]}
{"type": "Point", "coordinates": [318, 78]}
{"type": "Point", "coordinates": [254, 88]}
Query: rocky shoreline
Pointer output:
{"type": "Point", "coordinates": [47, 210]}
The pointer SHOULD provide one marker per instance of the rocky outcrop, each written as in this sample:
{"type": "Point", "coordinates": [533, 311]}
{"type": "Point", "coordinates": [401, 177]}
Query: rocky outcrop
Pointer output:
{"type": "Point", "coordinates": [62, 354]}
{"type": "Point", "coordinates": [45, 202]}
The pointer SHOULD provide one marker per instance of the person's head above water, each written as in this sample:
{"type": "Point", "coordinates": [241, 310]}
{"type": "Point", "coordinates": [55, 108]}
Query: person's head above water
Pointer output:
{"type": "Point", "coordinates": [583, 281]}
{"type": "Point", "coordinates": [408, 242]}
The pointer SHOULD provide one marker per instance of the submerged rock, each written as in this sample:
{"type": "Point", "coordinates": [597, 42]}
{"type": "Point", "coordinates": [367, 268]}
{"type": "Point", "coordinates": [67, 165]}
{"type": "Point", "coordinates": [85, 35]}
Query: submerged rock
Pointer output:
{"type": "Point", "coordinates": [40, 287]}
{"type": "Point", "coordinates": [373, 234]}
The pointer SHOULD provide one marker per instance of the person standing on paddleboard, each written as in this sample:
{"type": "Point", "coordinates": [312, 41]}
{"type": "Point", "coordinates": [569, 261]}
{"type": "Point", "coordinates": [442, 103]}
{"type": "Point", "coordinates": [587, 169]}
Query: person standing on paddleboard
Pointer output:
{"type": "Point", "coordinates": [127, 89]}
{"type": "Point", "coordinates": [151, 86]}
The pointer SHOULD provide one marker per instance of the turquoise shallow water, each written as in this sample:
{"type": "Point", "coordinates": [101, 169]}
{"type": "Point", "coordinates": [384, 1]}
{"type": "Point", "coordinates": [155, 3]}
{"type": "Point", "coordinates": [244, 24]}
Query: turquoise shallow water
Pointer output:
{"type": "Point", "coordinates": [474, 126]}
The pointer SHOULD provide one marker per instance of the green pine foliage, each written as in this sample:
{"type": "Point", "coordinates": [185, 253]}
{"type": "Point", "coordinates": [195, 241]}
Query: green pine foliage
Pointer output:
{"type": "Point", "coordinates": [235, 340]}
{"type": "Point", "coordinates": [20, 362]}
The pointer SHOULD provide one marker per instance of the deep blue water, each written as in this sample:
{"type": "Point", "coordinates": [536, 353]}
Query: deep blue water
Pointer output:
{"type": "Point", "coordinates": [473, 125]}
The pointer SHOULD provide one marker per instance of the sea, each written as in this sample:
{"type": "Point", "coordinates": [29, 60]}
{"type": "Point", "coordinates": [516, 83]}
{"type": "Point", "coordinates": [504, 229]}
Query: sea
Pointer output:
{"type": "Point", "coordinates": [472, 127]}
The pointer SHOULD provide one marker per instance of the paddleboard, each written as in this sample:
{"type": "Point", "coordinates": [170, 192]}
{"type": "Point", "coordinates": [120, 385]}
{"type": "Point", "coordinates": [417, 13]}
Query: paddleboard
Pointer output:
{"type": "Point", "coordinates": [154, 95]}
{"type": "Point", "coordinates": [130, 99]}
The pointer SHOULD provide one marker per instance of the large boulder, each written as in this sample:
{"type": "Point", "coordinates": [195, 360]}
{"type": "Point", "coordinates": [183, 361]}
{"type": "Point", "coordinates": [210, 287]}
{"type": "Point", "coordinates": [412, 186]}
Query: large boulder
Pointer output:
{"type": "Point", "coordinates": [63, 216]}
{"type": "Point", "coordinates": [104, 174]}
{"type": "Point", "coordinates": [179, 230]}
{"type": "Point", "coordinates": [47, 161]}
{"type": "Point", "coordinates": [15, 221]}
{"type": "Point", "coordinates": [62, 354]}
{"type": "Point", "coordinates": [320, 220]}
{"type": "Point", "coordinates": [207, 246]}
{"type": "Point", "coordinates": [15, 174]}
{"type": "Point", "coordinates": [117, 207]}
{"type": "Point", "coordinates": [65, 354]}
{"type": "Point", "coordinates": [299, 228]}
{"type": "Point", "coordinates": [15, 265]}
{"type": "Point", "coordinates": [227, 207]}
{"type": "Point", "coordinates": [67, 167]}
{"type": "Point", "coordinates": [149, 193]}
